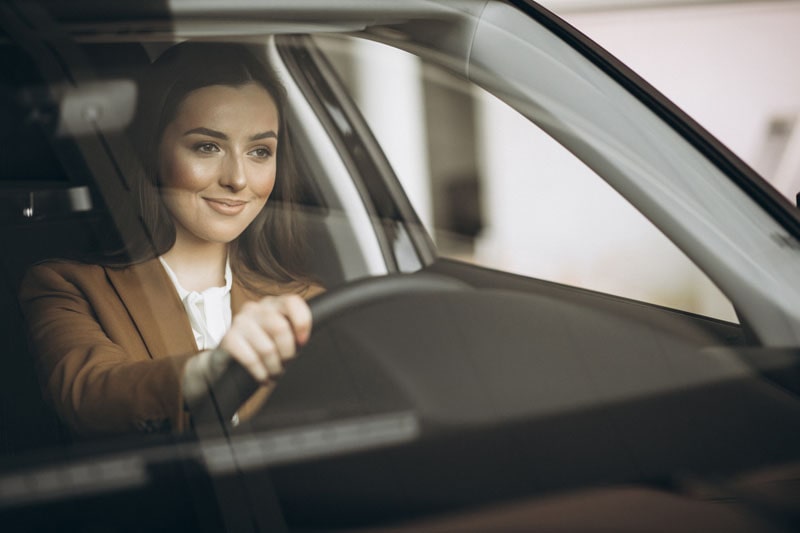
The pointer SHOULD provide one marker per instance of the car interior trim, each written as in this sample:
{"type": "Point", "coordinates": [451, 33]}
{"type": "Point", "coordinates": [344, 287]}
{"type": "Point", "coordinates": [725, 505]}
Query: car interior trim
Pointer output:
{"type": "Point", "coordinates": [392, 211]}
{"type": "Point", "coordinates": [358, 262]}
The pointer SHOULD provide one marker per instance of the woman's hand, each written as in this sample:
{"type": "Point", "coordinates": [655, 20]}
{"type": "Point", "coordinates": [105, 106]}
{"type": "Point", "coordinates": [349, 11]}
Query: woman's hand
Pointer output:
{"type": "Point", "coordinates": [266, 333]}
{"type": "Point", "coordinates": [263, 335]}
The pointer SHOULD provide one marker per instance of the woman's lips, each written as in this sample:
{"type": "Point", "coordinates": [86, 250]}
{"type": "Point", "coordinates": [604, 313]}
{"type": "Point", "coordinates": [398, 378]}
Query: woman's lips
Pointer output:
{"type": "Point", "coordinates": [225, 206]}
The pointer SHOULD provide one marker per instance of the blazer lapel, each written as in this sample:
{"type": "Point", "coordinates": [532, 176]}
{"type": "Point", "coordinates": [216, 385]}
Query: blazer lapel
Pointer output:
{"type": "Point", "coordinates": [155, 308]}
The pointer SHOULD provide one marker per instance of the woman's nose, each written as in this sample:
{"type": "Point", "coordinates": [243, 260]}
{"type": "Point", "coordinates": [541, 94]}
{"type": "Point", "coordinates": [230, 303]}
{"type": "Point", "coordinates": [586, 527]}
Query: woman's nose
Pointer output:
{"type": "Point", "coordinates": [233, 175]}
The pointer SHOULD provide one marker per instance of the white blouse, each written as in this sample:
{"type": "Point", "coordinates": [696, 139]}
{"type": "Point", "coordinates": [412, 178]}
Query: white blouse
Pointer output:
{"type": "Point", "coordinates": [209, 311]}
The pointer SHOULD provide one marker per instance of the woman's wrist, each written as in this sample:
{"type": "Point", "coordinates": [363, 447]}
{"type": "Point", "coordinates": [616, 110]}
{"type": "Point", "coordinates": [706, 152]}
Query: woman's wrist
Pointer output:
{"type": "Point", "coordinates": [201, 370]}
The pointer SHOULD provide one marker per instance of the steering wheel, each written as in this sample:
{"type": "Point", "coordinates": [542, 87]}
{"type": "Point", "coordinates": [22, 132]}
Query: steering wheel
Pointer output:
{"type": "Point", "coordinates": [236, 385]}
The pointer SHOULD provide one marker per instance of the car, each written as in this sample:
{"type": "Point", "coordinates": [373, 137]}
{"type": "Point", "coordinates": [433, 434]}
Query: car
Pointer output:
{"type": "Point", "coordinates": [439, 391]}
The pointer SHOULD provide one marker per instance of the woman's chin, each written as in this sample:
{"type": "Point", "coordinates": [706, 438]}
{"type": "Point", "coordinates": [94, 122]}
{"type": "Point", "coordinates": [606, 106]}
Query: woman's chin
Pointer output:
{"type": "Point", "coordinates": [211, 237]}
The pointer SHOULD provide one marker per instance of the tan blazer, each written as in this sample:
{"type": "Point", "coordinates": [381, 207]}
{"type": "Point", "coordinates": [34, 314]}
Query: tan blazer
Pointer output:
{"type": "Point", "coordinates": [110, 344]}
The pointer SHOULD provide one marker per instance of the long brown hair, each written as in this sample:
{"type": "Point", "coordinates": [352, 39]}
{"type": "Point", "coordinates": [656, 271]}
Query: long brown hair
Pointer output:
{"type": "Point", "coordinates": [272, 245]}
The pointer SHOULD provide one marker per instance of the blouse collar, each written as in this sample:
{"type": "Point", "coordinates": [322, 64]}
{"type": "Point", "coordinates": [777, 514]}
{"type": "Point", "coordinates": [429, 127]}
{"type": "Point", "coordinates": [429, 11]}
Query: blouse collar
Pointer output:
{"type": "Point", "coordinates": [183, 293]}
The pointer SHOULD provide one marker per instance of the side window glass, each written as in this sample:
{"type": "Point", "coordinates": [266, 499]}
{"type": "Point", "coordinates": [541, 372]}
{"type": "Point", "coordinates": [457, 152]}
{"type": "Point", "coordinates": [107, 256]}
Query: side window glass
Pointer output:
{"type": "Point", "coordinates": [495, 190]}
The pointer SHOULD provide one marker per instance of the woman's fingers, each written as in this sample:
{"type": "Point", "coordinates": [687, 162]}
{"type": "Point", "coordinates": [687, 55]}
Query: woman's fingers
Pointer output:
{"type": "Point", "coordinates": [277, 327]}
{"type": "Point", "coordinates": [265, 333]}
{"type": "Point", "coordinates": [241, 349]}
{"type": "Point", "coordinates": [299, 314]}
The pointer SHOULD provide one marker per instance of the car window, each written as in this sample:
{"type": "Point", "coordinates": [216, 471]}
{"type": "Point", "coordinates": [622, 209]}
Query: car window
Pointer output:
{"type": "Point", "coordinates": [494, 189]}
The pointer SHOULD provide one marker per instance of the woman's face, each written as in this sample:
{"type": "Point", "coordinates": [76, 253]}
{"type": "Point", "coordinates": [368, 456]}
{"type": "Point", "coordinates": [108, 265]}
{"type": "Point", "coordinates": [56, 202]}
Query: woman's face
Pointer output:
{"type": "Point", "coordinates": [217, 161]}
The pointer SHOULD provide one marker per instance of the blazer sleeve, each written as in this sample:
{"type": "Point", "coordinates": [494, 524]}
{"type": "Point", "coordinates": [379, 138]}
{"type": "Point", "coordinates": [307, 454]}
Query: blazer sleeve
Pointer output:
{"type": "Point", "coordinates": [96, 385]}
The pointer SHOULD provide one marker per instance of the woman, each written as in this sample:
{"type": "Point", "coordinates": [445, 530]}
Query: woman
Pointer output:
{"type": "Point", "coordinates": [123, 345]}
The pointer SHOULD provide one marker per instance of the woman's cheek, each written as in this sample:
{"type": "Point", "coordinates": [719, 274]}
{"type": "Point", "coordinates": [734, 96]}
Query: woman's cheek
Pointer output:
{"type": "Point", "coordinates": [197, 173]}
{"type": "Point", "coordinates": [182, 170]}
{"type": "Point", "coordinates": [175, 170]}
{"type": "Point", "coordinates": [263, 187]}
{"type": "Point", "coordinates": [190, 172]}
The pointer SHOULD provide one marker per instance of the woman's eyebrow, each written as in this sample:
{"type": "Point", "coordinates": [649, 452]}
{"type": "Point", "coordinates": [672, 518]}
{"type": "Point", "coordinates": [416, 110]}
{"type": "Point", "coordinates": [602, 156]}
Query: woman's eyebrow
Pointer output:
{"type": "Point", "coordinates": [209, 132]}
{"type": "Point", "coordinates": [264, 135]}
{"type": "Point", "coordinates": [219, 135]}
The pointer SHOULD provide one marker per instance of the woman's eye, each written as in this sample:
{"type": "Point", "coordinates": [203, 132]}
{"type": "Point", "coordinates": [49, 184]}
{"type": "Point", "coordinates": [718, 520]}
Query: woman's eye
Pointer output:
{"type": "Point", "coordinates": [207, 148]}
{"type": "Point", "coordinates": [262, 153]}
